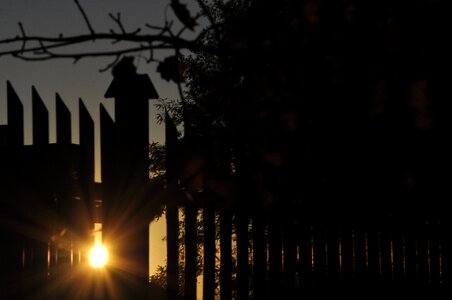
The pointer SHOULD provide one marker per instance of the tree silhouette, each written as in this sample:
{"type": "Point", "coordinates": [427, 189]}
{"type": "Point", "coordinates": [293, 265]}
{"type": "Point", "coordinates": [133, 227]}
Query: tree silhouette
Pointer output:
{"type": "Point", "coordinates": [321, 113]}
{"type": "Point", "coordinates": [312, 93]}
{"type": "Point", "coordinates": [299, 112]}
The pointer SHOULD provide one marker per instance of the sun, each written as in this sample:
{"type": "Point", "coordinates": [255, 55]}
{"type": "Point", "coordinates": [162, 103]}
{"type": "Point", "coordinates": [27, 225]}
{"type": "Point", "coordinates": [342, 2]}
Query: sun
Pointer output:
{"type": "Point", "coordinates": [98, 256]}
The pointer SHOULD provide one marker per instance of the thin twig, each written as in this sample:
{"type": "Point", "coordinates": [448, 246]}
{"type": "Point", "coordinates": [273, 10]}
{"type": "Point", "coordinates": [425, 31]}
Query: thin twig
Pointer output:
{"type": "Point", "coordinates": [166, 13]}
{"type": "Point", "coordinates": [151, 54]}
{"type": "Point", "coordinates": [76, 59]}
{"type": "Point", "coordinates": [154, 27]}
{"type": "Point", "coordinates": [138, 30]}
{"type": "Point", "coordinates": [77, 56]}
{"type": "Point", "coordinates": [117, 20]}
{"type": "Point", "coordinates": [110, 65]}
{"type": "Point", "coordinates": [43, 49]}
{"type": "Point", "coordinates": [163, 30]}
{"type": "Point", "coordinates": [179, 33]}
{"type": "Point", "coordinates": [24, 36]}
{"type": "Point", "coordinates": [85, 17]}
{"type": "Point", "coordinates": [146, 59]}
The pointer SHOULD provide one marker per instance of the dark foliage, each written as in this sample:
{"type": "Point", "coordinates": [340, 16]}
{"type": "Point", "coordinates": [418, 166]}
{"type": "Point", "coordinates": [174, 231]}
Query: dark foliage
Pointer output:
{"type": "Point", "coordinates": [171, 69]}
{"type": "Point", "coordinates": [314, 101]}
{"type": "Point", "coordinates": [183, 14]}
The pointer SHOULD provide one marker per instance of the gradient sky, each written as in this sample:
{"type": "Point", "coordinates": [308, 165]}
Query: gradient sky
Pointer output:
{"type": "Point", "coordinates": [83, 79]}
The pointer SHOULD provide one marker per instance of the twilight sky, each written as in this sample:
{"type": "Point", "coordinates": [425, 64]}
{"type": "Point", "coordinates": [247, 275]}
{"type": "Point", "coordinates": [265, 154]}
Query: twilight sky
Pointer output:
{"type": "Point", "coordinates": [83, 79]}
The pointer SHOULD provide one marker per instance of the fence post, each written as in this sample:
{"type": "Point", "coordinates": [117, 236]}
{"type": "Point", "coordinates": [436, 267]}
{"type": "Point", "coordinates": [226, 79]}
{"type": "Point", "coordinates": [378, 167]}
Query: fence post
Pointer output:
{"type": "Point", "coordinates": [15, 117]}
{"type": "Point", "coordinates": [259, 258]}
{"type": "Point", "coordinates": [242, 255]}
{"type": "Point", "coordinates": [63, 122]}
{"type": "Point", "coordinates": [209, 253]}
{"type": "Point", "coordinates": [86, 178]}
{"type": "Point", "coordinates": [225, 255]}
{"type": "Point", "coordinates": [172, 210]}
{"type": "Point", "coordinates": [275, 254]}
{"type": "Point", "coordinates": [290, 259]}
{"type": "Point", "coordinates": [172, 229]}
{"type": "Point", "coordinates": [40, 119]}
{"type": "Point", "coordinates": [128, 179]}
{"type": "Point", "coordinates": [190, 251]}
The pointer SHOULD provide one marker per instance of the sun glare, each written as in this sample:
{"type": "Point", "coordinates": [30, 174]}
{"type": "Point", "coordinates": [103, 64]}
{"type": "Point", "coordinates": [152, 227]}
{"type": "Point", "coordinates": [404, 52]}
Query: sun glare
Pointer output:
{"type": "Point", "coordinates": [98, 256]}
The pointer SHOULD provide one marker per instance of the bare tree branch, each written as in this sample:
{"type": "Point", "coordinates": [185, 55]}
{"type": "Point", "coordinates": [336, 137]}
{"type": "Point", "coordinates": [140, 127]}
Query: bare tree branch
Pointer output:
{"type": "Point", "coordinates": [24, 36]}
{"type": "Point", "coordinates": [43, 49]}
{"type": "Point", "coordinates": [152, 41]}
{"type": "Point", "coordinates": [163, 30]}
{"type": "Point", "coordinates": [117, 20]}
{"type": "Point", "coordinates": [182, 30]}
{"type": "Point", "coordinates": [110, 65]}
{"type": "Point", "coordinates": [151, 55]}
{"type": "Point", "coordinates": [47, 55]}
{"type": "Point", "coordinates": [40, 48]}
{"type": "Point", "coordinates": [85, 17]}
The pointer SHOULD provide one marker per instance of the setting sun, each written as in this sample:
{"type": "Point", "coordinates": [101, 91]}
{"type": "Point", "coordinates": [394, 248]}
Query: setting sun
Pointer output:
{"type": "Point", "coordinates": [98, 256]}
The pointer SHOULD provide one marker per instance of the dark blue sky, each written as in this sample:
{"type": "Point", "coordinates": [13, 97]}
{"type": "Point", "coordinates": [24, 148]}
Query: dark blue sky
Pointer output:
{"type": "Point", "coordinates": [81, 80]}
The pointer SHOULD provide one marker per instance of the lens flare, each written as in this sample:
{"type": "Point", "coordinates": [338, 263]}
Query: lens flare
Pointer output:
{"type": "Point", "coordinates": [98, 256]}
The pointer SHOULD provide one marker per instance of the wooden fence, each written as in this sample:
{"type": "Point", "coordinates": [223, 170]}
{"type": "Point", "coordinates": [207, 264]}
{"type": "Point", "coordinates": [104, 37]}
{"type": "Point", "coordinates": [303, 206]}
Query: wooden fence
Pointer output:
{"type": "Point", "coordinates": [242, 252]}
{"type": "Point", "coordinates": [258, 257]}
{"type": "Point", "coordinates": [50, 200]}
{"type": "Point", "coordinates": [296, 250]}
{"type": "Point", "coordinates": [47, 197]}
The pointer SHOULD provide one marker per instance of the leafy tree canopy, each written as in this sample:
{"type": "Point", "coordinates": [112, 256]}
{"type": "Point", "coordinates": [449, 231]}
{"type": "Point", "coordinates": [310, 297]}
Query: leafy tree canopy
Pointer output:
{"type": "Point", "coordinates": [315, 100]}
